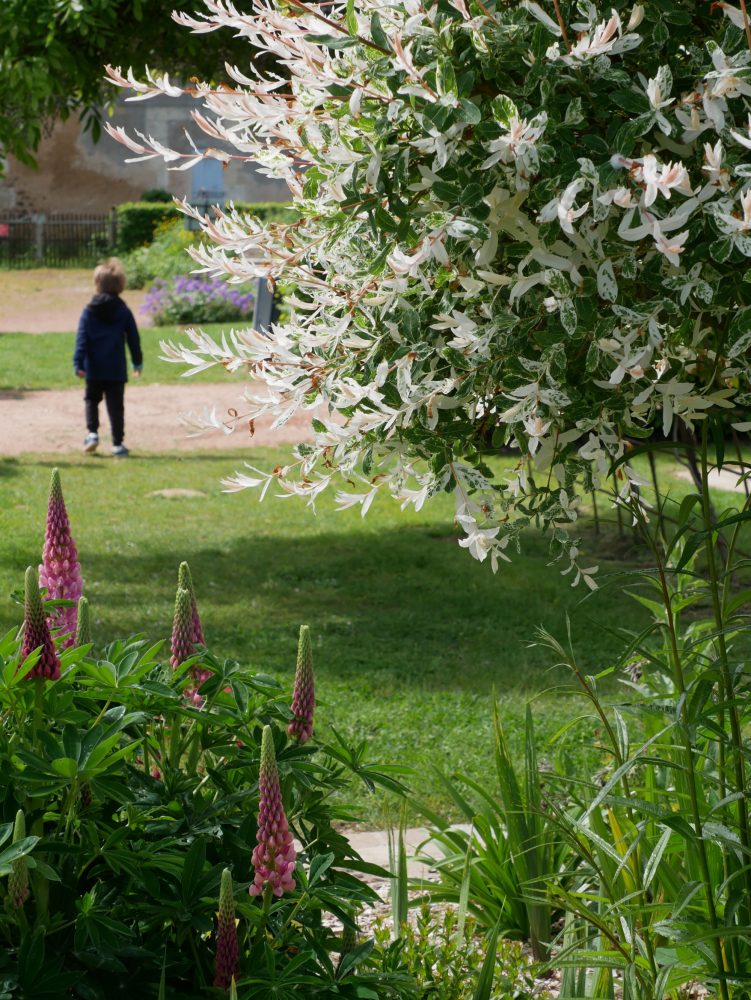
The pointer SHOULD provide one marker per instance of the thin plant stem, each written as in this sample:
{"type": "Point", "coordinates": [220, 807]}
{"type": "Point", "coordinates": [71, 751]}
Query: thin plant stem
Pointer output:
{"type": "Point", "coordinates": [625, 784]}
{"type": "Point", "coordinates": [299, 5]}
{"type": "Point", "coordinates": [175, 741]}
{"type": "Point", "coordinates": [726, 588]}
{"type": "Point", "coordinates": [618, 507]}
{"type": "Point", "coordinates": [562, 25]}
{"type": "Point", "coordinates": [746, 25]}
{"type": "Point", "coordinates": [680, 682]}
{"type": "Point", "coordinates": [656, 486]}
{"type": "Point", "coordinates": [293, 913]}
{"type": "Point", "coordinates": [101, 714]}
{"type": "Point", "coordinates": [197, 959]}
{"type": "Point", "coordinates": [267, 894]}
{"type": "Point", "coordinates": [36, 719]}
{"type": "Point", "coordinates": [722, 657]}
{"type": "Point", "coordinates": [741, 464]}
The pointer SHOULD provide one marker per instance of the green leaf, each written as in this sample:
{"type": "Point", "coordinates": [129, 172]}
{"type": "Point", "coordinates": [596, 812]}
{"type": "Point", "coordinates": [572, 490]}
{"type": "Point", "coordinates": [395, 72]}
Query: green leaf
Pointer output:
{"type": "Point", "coordinates": [320, 864]}
{"type": "Point", "coordinates": [192, 870]}
{"type": "Point", "coordinates": [504, 110]}
{"type": "Point", "coordinates": [332, 41]}
{"type": "Point", "coordinates": [377, 34]}
{"type": "Point", "coordinates": [650, 869]}
{"type": "Point", "coordinates": [739, 332]}
{"type": "Point", "coordinates": [66, 767]}
{"type": "Point", "coordinates": [15, 851]}
{"type": "Point", "coordinates": [607, 286]}
{"type": "Point", "coordinates": [354, 958]}
{"type": "Point", "coordinates": [567, 310]}
{"type": "Point", "coordinates": [721, 249]}
{"type": "Point", "coordinates": [484, 988]}
{"type": "Point", "coordinates": [350, 18]}
{"type": "Point", "coordinates": [445, 78]}
{"type": "Point", "coordinates": [574, 112]}
{"type": "Point", "coordinates": [626, 136]}
{"type": "Point", "coordinates": [630, 100]}
{"type": "Point", "coordinates": [469, 113]}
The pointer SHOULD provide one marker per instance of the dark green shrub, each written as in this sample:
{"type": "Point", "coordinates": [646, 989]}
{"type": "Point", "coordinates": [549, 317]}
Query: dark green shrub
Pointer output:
{"type": "Point", "coordinates": [157, 194]}
{"type": "Point", "coordinates": [137, 221]}
{"type": "Point", "coordinates": [165, 257]}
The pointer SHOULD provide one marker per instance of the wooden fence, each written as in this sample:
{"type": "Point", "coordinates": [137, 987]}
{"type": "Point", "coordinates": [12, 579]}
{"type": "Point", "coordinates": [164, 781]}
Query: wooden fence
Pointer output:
{"type": "Point", "coordinates": [29, 240]}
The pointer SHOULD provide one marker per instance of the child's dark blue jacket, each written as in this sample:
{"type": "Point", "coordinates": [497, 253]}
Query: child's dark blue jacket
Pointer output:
{"type": "Point", "coordinates": [106, 325]}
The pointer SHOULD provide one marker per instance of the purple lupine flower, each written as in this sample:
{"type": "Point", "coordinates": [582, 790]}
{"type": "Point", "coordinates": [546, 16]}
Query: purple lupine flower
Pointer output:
{"type": "Point", "coordinates": [18, 880]}
{"type": "Point", "coordinates": [195, 635]}
{"type": "Point", "coordinates": [303, 695]}
{"type": "Point", "coordinates": [36, 632]}
{"type": "Point", "coordinates": [60, 571]}
{"type": "Point", "coordinates": [274, 854]}
{"type": "Point", "coordinates": [181, 644]}
{"type": "Point", "coordinates": [225, 964]}
{"type": "Point", "coordinates": [185, 580]}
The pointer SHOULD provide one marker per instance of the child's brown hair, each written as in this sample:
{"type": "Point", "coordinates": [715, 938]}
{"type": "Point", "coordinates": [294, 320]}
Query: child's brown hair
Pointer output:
{"type": "Point", "coordinates": [109, 277]}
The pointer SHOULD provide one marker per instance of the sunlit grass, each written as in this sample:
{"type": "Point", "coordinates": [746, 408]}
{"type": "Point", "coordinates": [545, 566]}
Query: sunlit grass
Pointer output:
{"type": "Point", "coordinates": [45, 360]}
{"type": "Point", "coordinates": [411, 636]}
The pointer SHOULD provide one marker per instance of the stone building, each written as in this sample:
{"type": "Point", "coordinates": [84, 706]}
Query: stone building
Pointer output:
{"type": "Point", "coordinates": [77, 175]}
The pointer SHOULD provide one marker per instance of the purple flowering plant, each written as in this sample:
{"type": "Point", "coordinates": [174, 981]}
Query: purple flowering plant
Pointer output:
{"type": "Point", "coordinates": [147, 831]}
{"type": "Point", "coordinates": [193, 299]}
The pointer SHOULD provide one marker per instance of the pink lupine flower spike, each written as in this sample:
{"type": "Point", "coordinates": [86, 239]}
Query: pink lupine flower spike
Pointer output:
{"type": "Point", "coordinates": [225, 966]}
{"type": "Point", "coordinates": [185, 580]}
{"type": "Point", "coordinates": [303, 696]}
{"type": "Point", "coordinates": [36, 632]}
{"type": "Point", "coordinates": [183, 643]}
{"type": "Point", "coordinates": [18, 880]}
{"type": "Point", "coordinates": [274, 854]}
{"type": "Point", "coordinates": [60, 571]}
{"type": "Point", "coordinates": [182, 630]}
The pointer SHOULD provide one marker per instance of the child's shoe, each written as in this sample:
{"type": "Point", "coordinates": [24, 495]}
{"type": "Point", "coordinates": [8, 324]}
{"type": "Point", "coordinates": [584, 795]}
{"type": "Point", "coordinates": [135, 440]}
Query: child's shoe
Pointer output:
{"type": "Point", "coordinates": [91, 442]}
{"type": "Point", "coordinates": [120, 451]}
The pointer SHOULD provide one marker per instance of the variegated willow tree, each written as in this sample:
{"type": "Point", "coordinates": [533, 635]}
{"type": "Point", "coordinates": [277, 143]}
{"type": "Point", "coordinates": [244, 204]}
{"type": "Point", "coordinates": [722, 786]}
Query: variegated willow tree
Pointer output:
{"type": "Point", "coordinates": [518, 224]}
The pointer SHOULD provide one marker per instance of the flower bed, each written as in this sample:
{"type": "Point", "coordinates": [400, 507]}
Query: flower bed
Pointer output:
{"type": "Point", "coordinates": [197, 300]}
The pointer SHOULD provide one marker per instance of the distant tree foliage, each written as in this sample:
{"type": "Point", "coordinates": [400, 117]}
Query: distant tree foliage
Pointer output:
{"type": "Point", "coordinates": [52, 53]}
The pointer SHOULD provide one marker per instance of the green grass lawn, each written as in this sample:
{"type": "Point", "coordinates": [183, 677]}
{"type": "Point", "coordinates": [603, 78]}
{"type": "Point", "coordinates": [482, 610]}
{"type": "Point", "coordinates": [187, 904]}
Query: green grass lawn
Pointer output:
{"type": "Point", "coordinates": [45, 360]}
{"type": "Point", "coordinates": [411, 636]}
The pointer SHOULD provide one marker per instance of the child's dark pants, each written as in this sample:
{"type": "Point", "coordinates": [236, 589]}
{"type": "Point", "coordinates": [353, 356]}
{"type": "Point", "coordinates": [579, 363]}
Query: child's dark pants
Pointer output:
{"type": "Point", "coordinates": [114, 397]}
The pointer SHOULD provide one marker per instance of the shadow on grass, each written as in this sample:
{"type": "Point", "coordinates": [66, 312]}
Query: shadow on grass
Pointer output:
{"type": "Point", "coordinates": [391, 609]}
{"type": "Point", "coordinates": [77, 460]}
{"type": "Point", "coordinates": [10, 467]}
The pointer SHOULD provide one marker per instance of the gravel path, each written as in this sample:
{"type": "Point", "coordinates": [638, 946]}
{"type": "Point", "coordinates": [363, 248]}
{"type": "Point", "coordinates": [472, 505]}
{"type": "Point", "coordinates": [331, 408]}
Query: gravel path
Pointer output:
{"type": "Point", "coordinates": [51, 421]}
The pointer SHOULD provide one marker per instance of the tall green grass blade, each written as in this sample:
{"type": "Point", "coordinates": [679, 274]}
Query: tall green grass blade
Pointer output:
{"type": "Point", "coordinates": [461, 917]}
{"type": "Point", "coordinates": [484, 988]}
{"type": "Point", "coordinates": [398, 866]}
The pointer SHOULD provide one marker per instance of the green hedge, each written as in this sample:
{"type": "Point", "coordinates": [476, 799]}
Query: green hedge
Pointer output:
{"type": "Point", "coordinates": [138, 220]}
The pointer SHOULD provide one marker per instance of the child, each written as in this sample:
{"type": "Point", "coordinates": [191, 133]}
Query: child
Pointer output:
{"type": "Point", "coordinates": [105, 325]}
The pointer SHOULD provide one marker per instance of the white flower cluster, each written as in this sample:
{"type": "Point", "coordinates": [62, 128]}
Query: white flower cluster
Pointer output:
{"type": "Point", "coordinates": [512, 231]}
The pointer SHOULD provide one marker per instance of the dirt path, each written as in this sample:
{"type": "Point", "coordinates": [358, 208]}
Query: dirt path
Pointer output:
{"type": "Point", "coordinates": [51, 421]}
{"type": "Point", "coordinates": [46, 300]}
{"type": "Point", "coordinates": [49, 300]}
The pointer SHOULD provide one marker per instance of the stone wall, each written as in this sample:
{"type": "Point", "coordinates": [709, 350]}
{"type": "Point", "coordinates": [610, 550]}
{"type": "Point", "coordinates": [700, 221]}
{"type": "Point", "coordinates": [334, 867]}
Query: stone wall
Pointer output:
{"type": "Point", "coordinates": [76, 174]}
